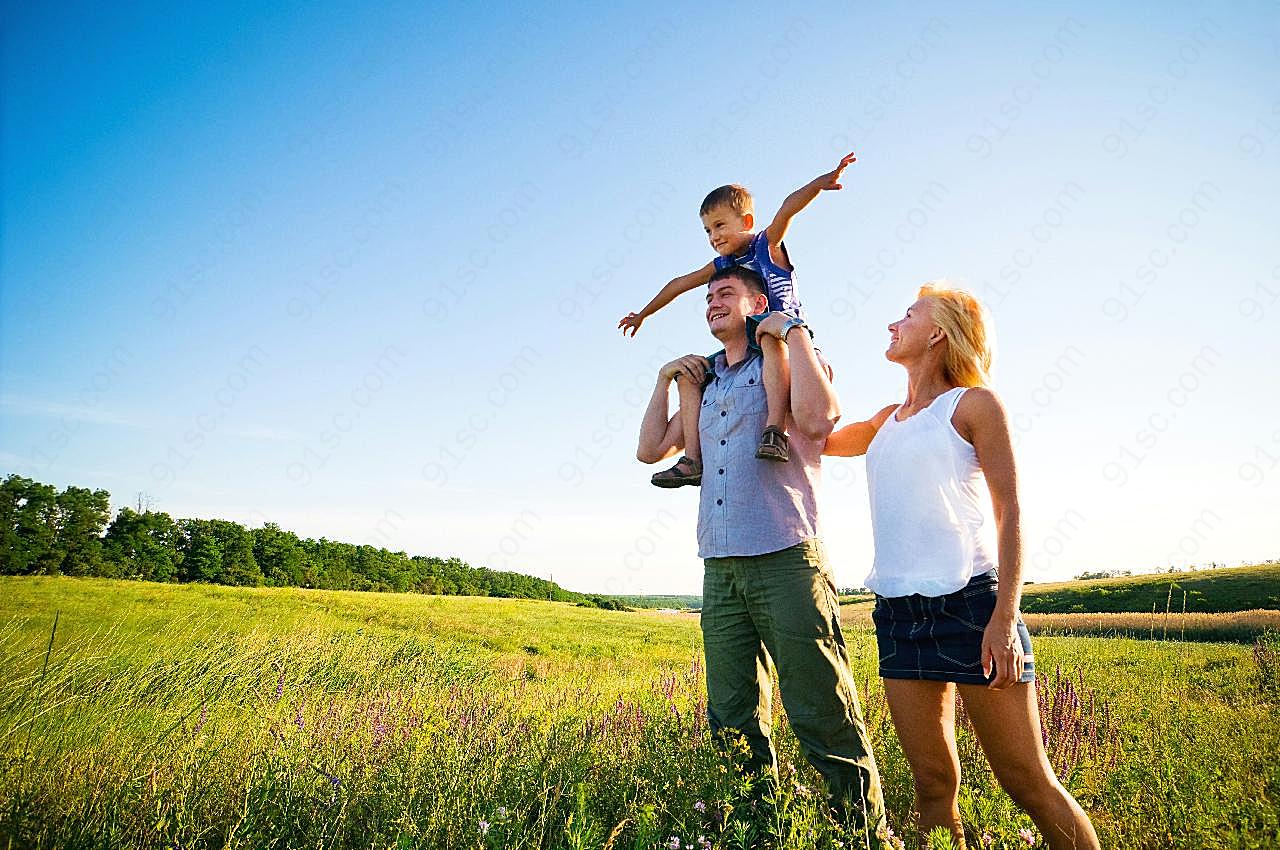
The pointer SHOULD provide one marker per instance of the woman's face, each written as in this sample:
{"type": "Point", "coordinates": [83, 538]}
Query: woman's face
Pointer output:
{"type": "Point", "coordinates": [909, 336]}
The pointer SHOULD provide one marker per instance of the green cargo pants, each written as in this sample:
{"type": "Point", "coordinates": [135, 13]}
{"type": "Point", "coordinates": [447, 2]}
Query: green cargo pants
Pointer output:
{"type": "Point", "coordinates": [783, 607]}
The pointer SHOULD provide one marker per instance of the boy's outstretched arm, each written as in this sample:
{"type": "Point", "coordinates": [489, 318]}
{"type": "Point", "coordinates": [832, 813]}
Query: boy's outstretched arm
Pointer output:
{"type": "Point", "coordinates": [675, 286]}
{"type": "Point", "coordinates": [802, 197]}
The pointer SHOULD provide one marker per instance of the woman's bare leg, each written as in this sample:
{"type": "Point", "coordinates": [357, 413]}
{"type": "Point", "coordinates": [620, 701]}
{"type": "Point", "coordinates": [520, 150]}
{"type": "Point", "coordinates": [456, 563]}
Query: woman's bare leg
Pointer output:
{"type": "Point", "coordinates": [924, 715]}
{"type": "Point", "coordinates": [1008, 726]}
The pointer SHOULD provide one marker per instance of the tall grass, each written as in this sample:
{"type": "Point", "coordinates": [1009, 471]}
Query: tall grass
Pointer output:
{"type": "Point", "coordinates": [1237, 626]}
{"type": "Point", "coordinates": [215, 717]}
{"type": "Point", "coordinates": [1234, 627]}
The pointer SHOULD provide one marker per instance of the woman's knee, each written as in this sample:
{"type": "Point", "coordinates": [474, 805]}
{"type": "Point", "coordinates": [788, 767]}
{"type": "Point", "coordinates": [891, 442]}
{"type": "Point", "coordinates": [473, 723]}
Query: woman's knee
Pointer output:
{"type": "Point", "coordinates": [938, 782]}
{"type": "Point", "coordinates": [1030, 786]}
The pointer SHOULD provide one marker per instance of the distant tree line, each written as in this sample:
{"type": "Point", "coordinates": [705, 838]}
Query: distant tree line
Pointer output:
{"type": "Point", "coordinates": [1090, 576]}
{"type": "Point", "coordinates": [46, 532]}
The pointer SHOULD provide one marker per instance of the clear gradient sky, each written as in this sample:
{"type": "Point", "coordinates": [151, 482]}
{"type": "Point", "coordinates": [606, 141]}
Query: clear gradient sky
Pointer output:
{"type": "Point", "coordinates": [358, 273]}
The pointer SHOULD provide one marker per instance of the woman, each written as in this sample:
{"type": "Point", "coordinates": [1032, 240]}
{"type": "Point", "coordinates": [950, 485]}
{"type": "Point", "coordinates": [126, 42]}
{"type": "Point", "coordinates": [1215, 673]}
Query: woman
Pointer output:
{"type": "Point", "coordinates": [944, 622]}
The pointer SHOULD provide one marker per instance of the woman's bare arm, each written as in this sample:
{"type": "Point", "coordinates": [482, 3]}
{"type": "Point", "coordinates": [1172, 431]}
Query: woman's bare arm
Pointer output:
{"type": "Point", "coordinates": [853, 439]}
{"type": "Point", "coordinates": [980, 418]}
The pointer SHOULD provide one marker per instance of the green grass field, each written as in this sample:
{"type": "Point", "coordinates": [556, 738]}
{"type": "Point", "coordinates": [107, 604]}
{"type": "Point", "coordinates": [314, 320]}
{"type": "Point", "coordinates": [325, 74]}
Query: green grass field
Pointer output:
{"type": "Point", "coordinates": [209, 717]}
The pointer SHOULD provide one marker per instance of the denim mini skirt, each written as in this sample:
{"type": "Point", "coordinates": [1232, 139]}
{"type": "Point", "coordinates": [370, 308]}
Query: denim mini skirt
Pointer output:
{"type": "Point", "coordinates": [940, 637]}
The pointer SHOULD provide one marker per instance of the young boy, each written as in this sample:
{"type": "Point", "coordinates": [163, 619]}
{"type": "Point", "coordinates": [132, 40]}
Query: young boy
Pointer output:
{"type": "Point", "coordinates": [728, 217]}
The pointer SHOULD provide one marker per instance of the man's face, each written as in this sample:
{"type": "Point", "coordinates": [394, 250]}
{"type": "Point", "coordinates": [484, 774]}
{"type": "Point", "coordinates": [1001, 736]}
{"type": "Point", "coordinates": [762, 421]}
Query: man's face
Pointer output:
{"type": "Point", "coordinates": [729, 302]}
{"type": "Point", "coordinates": [728, 232]}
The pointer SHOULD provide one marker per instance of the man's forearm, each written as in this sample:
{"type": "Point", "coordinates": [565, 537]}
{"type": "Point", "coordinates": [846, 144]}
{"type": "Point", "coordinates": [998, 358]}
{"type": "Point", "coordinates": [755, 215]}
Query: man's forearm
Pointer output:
{"type": "Point", "coordinates": [814, 404]}
{"type": "Point", "coordinates": [653, 427]}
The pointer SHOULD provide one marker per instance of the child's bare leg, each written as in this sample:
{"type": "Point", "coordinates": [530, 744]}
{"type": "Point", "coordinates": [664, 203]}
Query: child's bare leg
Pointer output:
{"type": "Point", "coordinates": [690, 395]}
{"type": "Point", "coordinates": [688, 470]}
{"type": "Point", "coordinates": [777, 380]}
{"type": "Point", "coordinates": [777, 393]}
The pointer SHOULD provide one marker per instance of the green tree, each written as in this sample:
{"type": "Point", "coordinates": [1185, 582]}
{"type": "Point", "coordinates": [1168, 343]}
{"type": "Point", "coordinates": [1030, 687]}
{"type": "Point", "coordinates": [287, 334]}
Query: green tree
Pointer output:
{"type": "Point", "coordinates": [202, 552]}
{"type": "Point", "coordinates": [82, 515]}
{"type": "Point", "coordinates": [236, 543]}
{"type": "Point", "coordinates": [279, 555]}
{"type": "Point", "coordinates": [29, 511]}
{"type": "Point", "coordinates": [144, 546]}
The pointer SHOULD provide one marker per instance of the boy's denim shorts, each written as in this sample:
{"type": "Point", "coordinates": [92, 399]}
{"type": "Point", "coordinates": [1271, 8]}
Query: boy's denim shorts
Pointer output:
{"type": "Point", "coordinates": [940, 637]}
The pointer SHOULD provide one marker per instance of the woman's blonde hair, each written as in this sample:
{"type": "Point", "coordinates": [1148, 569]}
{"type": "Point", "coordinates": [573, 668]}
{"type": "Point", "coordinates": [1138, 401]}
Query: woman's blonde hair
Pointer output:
{"type": "Point", "coordinates": [966, 361]}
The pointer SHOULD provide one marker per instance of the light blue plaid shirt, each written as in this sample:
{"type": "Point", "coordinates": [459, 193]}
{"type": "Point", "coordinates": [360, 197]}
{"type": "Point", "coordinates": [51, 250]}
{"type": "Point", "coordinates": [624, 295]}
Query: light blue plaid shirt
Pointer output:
{"type": "Point", "coordinates": [749, 506]}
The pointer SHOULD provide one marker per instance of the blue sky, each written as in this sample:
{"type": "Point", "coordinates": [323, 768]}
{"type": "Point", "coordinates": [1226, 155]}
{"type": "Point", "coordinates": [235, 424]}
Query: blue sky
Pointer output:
{"type": "Point", "coordinates": [359, 274]}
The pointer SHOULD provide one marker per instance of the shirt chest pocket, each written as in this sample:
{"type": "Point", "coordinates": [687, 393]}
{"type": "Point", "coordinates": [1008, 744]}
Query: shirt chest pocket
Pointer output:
{"type": "Point", "coordinates": [744, 397]}
{"type": "Point", "coordinates": [748, 396]}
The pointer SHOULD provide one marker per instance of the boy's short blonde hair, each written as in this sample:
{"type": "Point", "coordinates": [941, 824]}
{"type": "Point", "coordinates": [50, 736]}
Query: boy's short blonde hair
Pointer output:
{"type": "Point", "coordinates": [966, 362]}
{"type": "Point", "coordinates": [733, 196]}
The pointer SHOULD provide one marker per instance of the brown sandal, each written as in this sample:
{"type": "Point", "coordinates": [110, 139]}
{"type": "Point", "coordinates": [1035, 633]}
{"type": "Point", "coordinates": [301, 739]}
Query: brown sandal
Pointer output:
{"type": "Point", "coordinates": [774, 445]}
{"type": "Point", "coordinates": [675, 477]}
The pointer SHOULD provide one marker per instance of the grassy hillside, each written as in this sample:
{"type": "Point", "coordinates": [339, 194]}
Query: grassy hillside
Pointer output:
{"type": "Point", "coordinates": [199, 716]}
{"type": "Point", "coordinates": [1207, 591]}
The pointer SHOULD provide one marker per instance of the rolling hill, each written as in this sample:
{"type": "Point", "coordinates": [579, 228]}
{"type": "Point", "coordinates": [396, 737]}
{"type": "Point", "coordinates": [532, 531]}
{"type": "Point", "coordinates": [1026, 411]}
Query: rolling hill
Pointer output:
{"type": "Point", "coordinates": [1207, 591]}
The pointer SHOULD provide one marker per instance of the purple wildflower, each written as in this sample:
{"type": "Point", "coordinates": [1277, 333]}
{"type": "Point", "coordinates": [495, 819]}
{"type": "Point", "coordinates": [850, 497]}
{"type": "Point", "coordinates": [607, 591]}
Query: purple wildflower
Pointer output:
{"type": "Point", "coordinates": [1027, 836]}
{"type": "Point", "coordinates": [280, 686]}
{"type": "Point", "coordinates": [484, 827]}
{"type": "Point", "coordinates": [334, 782]}
{"type": "Point", "coordinates": [700, 807]}
{"type": "Point", "coordinates": [204, 715]}
{"type": "Point", "coordinates": [674, 842]}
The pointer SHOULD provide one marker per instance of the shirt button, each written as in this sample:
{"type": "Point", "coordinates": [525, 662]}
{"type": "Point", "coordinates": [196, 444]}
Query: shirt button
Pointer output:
{"type": "Point", "coordinates": [722, 442]}
{"type": "Point", "coordinates": [724, 413]}
{"type": "Point", "coordinates": [719, 501]}
{"type": "Point", "coordinates": [752, 381]}
{"type": "Point", "coordinates": [722, 472]}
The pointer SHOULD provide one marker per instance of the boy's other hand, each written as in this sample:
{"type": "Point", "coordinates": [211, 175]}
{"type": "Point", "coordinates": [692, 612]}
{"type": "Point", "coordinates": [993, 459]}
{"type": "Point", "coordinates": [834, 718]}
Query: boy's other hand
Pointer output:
{"type": "Point", "coordinates": [831, 180]}
{"type": "Point", "coordinates": [692, 366]}
{"type": "Point", "coordinates": [632, 322]}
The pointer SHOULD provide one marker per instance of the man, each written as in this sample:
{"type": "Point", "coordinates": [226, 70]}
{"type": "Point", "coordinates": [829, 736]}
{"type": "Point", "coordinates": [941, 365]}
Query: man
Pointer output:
{"type": "Point", "coordinates": [767, 592]}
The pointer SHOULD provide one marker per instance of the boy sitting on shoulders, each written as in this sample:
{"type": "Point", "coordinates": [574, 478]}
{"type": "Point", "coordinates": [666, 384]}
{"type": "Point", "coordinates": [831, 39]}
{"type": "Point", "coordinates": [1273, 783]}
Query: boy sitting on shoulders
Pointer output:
{"type": "Point", "coordinates": [728, 217]}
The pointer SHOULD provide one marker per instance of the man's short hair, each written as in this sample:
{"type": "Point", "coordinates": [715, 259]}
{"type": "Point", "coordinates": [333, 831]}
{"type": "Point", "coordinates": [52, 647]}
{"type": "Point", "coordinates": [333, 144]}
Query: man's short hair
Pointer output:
{"type": "Point", "coordinates": [750, 278]}
{"type": "Point", "coordinates": [733, 196]}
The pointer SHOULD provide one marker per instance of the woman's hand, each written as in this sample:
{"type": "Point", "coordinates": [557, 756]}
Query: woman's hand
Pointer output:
{"type": "Point", "coordinates": [1002, 651]}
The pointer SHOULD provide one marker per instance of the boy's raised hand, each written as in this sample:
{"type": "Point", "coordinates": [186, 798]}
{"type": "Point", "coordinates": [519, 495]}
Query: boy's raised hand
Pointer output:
{"type": "Point", "coordinates": [831, 180]}
{"type": "Point", "coordinates": [632, 322]}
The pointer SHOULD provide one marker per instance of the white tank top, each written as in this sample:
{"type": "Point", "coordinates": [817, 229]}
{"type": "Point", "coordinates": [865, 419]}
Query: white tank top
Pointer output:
{"type": "Point", "coordinates": [930, 508]}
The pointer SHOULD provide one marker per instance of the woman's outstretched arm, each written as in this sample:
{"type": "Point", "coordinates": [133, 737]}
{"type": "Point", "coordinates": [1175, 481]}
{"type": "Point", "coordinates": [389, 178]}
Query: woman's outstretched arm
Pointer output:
{"type": "Point", "coordinates": [853, 439]}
